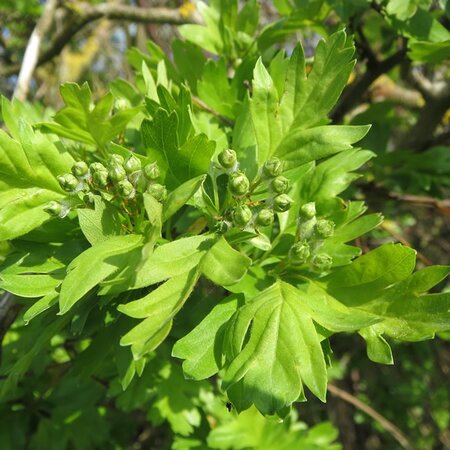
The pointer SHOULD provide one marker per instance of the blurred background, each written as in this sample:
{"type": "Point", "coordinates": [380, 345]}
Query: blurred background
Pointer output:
{"type": "Point", "coordinates": [400, 85]}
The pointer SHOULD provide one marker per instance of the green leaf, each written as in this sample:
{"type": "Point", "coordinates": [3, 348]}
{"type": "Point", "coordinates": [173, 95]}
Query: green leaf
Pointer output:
{"type": "Point", "coordinates": [93, 266]}
{"type": "Point", "coordinates": [409, 313]}
{"type": "Point", "coordinates": [429, 52]}
{"type": "Point", "coordinates": [29, 285]}
{"type": "Point", "coordinates": [215, 89]}
{"type": "Point", "coordinates": [177, 164]}
{"type": "Point", "coordinates": [273, 348]}
{"type": "Point", "coordinates": [40, 306]}
{"type": "Point", "coordinates": [334, 175]}
{"type": "Point", "coordinates": [81, 121]}
{"type": "Point", "coordinates": [206, 36]}
{"type": "Point", "coordinates": [162, 299]}
{"type": "Point", "coordinates": [264, 107]}
{"type": "Point", "coordinates": [28, 171]}
{"type": "Point", "coordinates": [178, 197]}
{"type": "Point", "coordinates": [100, 223]}
{"type": "Point", "coordinates": [330, 313]}
{"type": "Point", "coordinates": [224, 265]}
{"type": "Point", "coordinates": [301, 146]}
{"type": "Point", "coordinates": [158, 309]}
{"type": "Point", "coordinates": [171, 259]}
{"type": "Point", "coordinates": [378, 350]}
{"type": "Point", "coordinates": [365, 278]}
{"type": "Point", "coordinates": [176, 401]}
{"type": "Point", "coordinates": [201, 348]}
{"type": "Point", "coordinates": [333, 63]}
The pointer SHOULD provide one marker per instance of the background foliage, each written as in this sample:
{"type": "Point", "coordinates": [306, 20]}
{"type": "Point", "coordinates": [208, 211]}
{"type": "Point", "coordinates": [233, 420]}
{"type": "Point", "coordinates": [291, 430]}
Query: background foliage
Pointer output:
{"type": "Point", "coordinates": [64, 376]}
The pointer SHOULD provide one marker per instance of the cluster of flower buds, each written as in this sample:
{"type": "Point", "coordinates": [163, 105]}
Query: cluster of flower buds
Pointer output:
{"type": "Point", "coordinates": [246, 212]}
{"type": "Point", "coordinates": [311, 233]}
{"type": "Point", "coordinates": [120, 179]}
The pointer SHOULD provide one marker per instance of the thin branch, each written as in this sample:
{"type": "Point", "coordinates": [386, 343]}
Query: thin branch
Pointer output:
{"type": "Point", "coordinates": [398, 237]}
{"type": "Point", "coordinates": [201, 104]}
{"type": "Point", "coordinates": [30, 57]}
{"type": "Point", "coordinates": [81, 14]}
{"type": "Point", "coordinates": [392, 429]}
{"type": "Point", "coordinates": [355, 91]}
{"type": "Point", "coordinates": [420, 135]}
{"type": "Point", "coordinates": [8, 313]}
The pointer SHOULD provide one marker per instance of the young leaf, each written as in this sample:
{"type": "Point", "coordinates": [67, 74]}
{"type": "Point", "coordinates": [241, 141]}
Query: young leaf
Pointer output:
{"type": "Point", "coordinates": [158, 308]}
{"type": "Point", "coordinates": [301, 146]}
{"type": "Point", "coordinates": [100, 223]}
{"type": "Point", "coordinates": [171, 259]}
{"type": "Point", "coordinates": [29, 285]}
{"type": "Point", "coordinates": [40, 306]}
{"type": "Point", "coordinates": [378, 350]}
{"type": "Point", "coordinates": [273, 347]}
{"type": "Point", "coordinates": [364, 279]}
{"type": "Point", "coordinates": [224, 265]}
{"type": "Point", "coordinates": [28, 171]}
{"type": "Point", "coordinates": [201, 348]}
{"type": "Point", "coordinates": [93, 266]}
{"type": "Point", "coordinates": [178, 197]}
{"type": "Point", "coordinates": [80, 122]}
{"type": "Point", "coordinates": [264, 106]}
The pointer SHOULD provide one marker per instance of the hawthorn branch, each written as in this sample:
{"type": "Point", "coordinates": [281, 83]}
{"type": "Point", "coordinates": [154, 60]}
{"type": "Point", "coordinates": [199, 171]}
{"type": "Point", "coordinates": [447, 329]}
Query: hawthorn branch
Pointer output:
{"type": "Point", "coordinates": [30, 57]}
{"type": "Point", "coordinates": [355, 91]}
{"type": "Point", "coordinates": [8, 313]}
{"type": "Point", "coordinates": [81, 14]}
{"type": "Point", "coordinates": [437, 101]}
{"type": "Point", "coordinates": [392, 429]}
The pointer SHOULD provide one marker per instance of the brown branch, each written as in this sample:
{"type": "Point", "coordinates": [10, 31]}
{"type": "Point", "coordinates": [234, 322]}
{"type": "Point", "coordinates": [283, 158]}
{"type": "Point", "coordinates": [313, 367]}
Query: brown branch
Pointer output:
{"type": "Point", "coordinates": [355, 91]}
{"type": "Point", "coordinates": [81, 14]}
{"type": "Point", "coordinates": [420, 135]}
{"type": "Point", "coordinates": [201, 104]}
{"type": "Point", "coordinates": [392, 429]}
{"type": "Point", "coordinates": [8, 313]}
{"type": "Point", "coordinates": [31, 55]}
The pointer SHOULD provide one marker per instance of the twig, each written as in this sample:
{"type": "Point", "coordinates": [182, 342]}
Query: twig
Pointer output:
{"type": "Point", "coordinates": [420, 135]}
{"type": "Point", "coordinates": [355, 91]}
{"type": "Point", "coordinates": [81, 14]}
{"type": "Point", "coordinates": [395, 432]}
{"type": "Point", "coordinates": [30, 57]}
{"type": "Point", "coordinates": [207, 108]}
{"type": "Point", "coordinates": [398, 237]}
{"type": "Point", "coordinates": [8, 313]}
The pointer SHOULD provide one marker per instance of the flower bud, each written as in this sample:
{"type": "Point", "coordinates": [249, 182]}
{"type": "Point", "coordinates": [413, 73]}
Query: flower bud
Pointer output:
{"type": "Point", "coordinates": [151, 171]}
{"type": "Point", "coordinates": [132, 164]}
{"type": "Point", "coordinates": [158, 191]}
{"type": "Point", "coordinates": [273, 167]}
{"type": "Point", "coordinates": [322, 262]}
{"type": "Point", "coordinates": [264, 217]}
{"type": "Point", "coordinates": [227, 158]}
{"type": "Point", "coordinates": [242, 215]}
{"type": "Point", "coordinates": [80, 169]}
{"type": "Point", "coordinates": [221, 227]}
{"type": "Point", "coordinates": [299, 253]}
{"type": "Point", "coordinates": [53, 208]}
{"type": "Point", "coordinates": [117, 173]}
{"type": "Point", "coordinates": [115, 160]}
{"type": "Point", "coordinates": [100, 178]}
{"type": "Point", "coordinates": [68, 182]}
{"type": "Point", "coordinates": [280, 184]}
{"type": "Point", "coordinates": [125, 188]}
{"type": "Point", "coordinates": [282, 203]}
{"type": "Point", "coordinates": [97, 167]}
{"type": "Point", "coordinates": [308, 210]}
{"type": "Point", "coordinates": [238, 184]}
{"type": "Point", "coordinates": [324, 228]}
